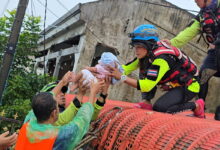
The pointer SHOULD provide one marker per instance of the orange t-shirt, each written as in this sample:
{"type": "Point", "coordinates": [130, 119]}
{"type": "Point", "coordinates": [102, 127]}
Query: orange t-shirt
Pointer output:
{"type": "Point", "coordinates": [24, 144]}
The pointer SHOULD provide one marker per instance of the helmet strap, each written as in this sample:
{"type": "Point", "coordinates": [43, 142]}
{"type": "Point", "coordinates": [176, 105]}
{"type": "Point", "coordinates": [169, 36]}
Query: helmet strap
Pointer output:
{"type": "Point", "coordinates": [150, 45]}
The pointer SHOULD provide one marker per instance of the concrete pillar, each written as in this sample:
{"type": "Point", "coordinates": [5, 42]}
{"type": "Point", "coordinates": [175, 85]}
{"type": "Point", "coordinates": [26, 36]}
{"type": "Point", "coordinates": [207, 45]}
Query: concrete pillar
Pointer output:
{"type": "Point", "coordinates": [35, 66]}
{"type": "Point", "coordinates": [45, 66]}
{"type": "Point", "coordinates": [46, 62]}
{"type": "Point", "coordinates": [57, 68]}
{"type": "Point", "coordinates": [77, 54]}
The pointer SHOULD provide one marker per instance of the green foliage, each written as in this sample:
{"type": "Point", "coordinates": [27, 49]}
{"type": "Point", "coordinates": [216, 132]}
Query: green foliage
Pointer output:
{"type": "Point", "coordinates": [14, 111]}
{"type": "Point", "coordinates": [24, 87]}
{"type": "Point", "coordinates": [22, 83]}
{"type": "Point", "coordinates": [17, 97]}
{"type": "Point", "coordinates": [28, 38]}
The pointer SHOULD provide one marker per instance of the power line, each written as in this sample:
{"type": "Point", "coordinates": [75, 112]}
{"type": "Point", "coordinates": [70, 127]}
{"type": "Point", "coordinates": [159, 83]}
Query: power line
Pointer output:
{"type": "Point", "coordinates": [94, 35]}
{"type": "Point", "coordinates": [45, 18]}
{"type": "Point", "coordinates": [48, 9]}
{"type": "Point", "coordinates": [62, 5]}
{"type": "Point", "coordinates": [173, 34]}
{"type": "Point", "coordinates": [51, 12]}
{"type": "Point", "coordinates": [166, 6]}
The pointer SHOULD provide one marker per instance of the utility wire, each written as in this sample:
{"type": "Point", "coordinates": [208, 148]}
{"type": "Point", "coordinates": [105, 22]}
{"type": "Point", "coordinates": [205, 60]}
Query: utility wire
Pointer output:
{"type": "Point", "coordinates": [62, 5]}
{"type": "Point", "coordinates": [48, 9]}
{"type": "Point", "coordinates": [173, 34]}
{"type": "Point", "coordinates": [51, 13]}
{"type": "Point", "coordinates": [97, 37]}
{"type": "Point", "coordinates": [167, 6]}
{"type": "Point", "coordinates": [45, 18]}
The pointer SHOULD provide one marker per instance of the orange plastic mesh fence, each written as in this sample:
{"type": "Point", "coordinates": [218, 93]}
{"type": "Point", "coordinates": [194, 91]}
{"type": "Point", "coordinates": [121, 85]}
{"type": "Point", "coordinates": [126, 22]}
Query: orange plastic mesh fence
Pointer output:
{"type": "Point", "coordinates": [131, 128]}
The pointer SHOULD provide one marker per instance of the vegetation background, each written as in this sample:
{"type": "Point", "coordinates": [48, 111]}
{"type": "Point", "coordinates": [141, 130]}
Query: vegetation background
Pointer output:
{"type": "Point", "coordinates": [23, 83]}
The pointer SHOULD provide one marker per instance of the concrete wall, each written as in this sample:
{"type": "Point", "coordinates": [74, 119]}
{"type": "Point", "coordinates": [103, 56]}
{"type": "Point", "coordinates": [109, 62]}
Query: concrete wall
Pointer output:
{"type": "Point", "coordinates": [112, 20]}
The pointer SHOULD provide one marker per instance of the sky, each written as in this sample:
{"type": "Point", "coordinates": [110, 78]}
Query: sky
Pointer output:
{"type": "Point", "coordinates": [57, 8]}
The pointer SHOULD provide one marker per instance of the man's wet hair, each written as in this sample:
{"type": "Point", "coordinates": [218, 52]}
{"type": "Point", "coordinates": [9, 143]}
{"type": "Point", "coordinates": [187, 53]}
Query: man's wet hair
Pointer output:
{"type": "Point", "coordinates": [43, 104]}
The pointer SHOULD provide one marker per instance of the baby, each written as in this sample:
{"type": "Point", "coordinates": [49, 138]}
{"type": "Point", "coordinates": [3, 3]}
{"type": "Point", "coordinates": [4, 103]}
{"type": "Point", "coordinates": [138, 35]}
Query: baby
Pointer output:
{"type": "Point", "coordinates": [101, 70]}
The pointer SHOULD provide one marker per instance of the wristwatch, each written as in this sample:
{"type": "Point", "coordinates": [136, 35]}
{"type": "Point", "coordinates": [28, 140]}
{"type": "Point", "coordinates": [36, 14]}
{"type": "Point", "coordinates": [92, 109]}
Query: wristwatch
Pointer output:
{"type": "Point", "coordinates": [123, 78]}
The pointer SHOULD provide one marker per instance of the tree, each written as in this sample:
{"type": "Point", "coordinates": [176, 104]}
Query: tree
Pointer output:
{"type": "Point", "coordinates": [17, 97]}
{"type": "Point", "coordinates": [23, 83]}
{"type": "Point", "coordinates": [30, 34]}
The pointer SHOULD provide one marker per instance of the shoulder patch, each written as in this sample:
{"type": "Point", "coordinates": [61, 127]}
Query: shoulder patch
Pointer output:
{"type": "Point", "coordinates": [152, 72]}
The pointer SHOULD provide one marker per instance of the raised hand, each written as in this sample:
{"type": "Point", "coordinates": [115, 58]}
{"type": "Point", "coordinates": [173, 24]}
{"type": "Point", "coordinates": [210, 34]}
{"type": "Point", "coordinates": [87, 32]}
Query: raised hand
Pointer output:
{"type": "Point", "coordinates": [73, 87]}
{"type": "Point", "coordinates": [6, 141]}
{"type": "Point", "coordinates": [65, 80]}
{"type": "Point", "coordinates": [95, 88]}
{"type": "Point", "coordinates": [83, 87]}
{"type": "Point", "coordinates": [75, 81]}
{"type": "Point", "coordinates": [68, 77]}
{"type": "Point", "coordinates": [114, 72]}
{"type": "Point", "coordinates": [76, 77]}
{"type": "Point", "coordinates": [106, 85]}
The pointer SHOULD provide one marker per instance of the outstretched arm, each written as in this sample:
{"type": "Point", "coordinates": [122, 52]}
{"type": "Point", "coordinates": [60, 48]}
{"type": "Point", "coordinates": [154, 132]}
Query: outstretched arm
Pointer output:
{"type": "Point", "coordinates": [159, 68]}
{"type": "Point", "coordinates": [186, 35]}
{"type": "Point", "coordinates": [71, 134]}
{"type": "Point", "coordinates": [99, 104]}
{"type": "Point", "coordinates": [68, 77]}
{"type": "Point", "coordinates": [68, 114]}
{"type": "Point", "coordinates": [117, 75]}
{"type": "Point", "coordinates": [130, 66]}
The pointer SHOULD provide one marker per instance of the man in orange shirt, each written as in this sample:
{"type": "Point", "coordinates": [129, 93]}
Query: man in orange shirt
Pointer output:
{"type": "Point", "coordinates": [41, 134]}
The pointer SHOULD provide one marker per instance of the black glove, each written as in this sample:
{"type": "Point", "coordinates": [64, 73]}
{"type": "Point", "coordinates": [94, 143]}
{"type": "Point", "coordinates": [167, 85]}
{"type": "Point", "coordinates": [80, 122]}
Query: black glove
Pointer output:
{"type": "Point", "coordinates": [76, 102]}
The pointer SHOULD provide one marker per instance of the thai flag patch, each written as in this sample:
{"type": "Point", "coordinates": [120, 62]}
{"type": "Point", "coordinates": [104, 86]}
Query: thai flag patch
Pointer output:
{"type": "Point", "coordinates": [152, 72]}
